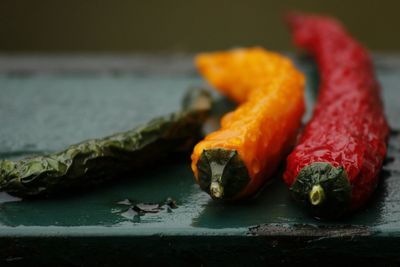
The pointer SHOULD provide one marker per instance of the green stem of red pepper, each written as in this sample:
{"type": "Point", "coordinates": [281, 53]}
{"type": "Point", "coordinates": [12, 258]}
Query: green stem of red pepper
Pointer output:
{"type": "Point", "coordinates": [343, 146]}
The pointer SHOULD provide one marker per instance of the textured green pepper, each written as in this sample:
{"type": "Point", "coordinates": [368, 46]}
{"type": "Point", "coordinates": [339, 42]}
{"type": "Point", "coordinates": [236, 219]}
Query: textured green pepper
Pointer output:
{"type": "Point", "coordinates": [95, 161]}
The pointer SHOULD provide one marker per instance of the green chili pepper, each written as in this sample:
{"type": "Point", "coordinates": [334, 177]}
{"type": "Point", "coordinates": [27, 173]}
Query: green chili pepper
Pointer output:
{"type": "Point", "coordinates": [95, 161]}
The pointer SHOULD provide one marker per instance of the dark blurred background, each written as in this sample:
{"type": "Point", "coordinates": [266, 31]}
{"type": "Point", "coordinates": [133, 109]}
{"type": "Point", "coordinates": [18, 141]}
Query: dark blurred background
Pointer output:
{"type": "Point", "coordinates": [51, 26]}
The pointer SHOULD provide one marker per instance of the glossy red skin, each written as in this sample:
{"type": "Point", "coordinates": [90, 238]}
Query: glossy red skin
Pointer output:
{"type": "Point", "coordinates": [348, 127]}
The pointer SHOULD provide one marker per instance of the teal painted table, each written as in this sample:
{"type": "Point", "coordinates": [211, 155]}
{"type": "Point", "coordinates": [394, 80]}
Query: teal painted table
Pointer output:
{"type": "Point", "coordinates": [47, 103]}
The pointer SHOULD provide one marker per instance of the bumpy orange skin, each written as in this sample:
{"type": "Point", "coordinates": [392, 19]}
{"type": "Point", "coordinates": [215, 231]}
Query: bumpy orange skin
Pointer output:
{"type": "Point", "coordinates": [270, 94]}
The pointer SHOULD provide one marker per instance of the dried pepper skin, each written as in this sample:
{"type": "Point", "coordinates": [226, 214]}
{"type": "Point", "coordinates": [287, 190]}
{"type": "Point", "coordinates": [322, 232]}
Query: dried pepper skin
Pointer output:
{"type": "Point", "coordinates": [236, 160]}
{"type": "Point", "coordinates": [95, 161]}
{"type": "Point", "coordinates": [348, 129]}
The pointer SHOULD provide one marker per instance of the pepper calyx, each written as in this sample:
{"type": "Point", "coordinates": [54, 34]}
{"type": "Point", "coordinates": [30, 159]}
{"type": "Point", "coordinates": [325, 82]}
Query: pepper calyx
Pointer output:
{"type": "Point", "coordinates": [222, 173]}
{"type": "Point", "coordinates": [324, 190]}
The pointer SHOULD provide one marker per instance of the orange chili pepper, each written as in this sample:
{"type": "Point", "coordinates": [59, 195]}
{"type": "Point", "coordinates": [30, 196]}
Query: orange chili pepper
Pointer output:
{"type": "Point", "coordinates": [236, 160]}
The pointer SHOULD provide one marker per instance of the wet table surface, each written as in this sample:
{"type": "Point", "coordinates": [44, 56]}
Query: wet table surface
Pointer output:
{"type": "Point", "coordinates": [50, 102]}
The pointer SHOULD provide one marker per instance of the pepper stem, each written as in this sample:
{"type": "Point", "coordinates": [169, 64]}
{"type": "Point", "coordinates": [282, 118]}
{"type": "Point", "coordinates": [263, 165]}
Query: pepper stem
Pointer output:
{"type": "Point", "coordinates": [216, 190]}
{"type": "Point", "coordinates": [317, 195]}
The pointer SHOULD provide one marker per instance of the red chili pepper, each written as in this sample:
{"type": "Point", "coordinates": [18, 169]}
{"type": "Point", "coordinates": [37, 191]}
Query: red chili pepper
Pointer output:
{"type": "Point", "coordinates": [335, 167]}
